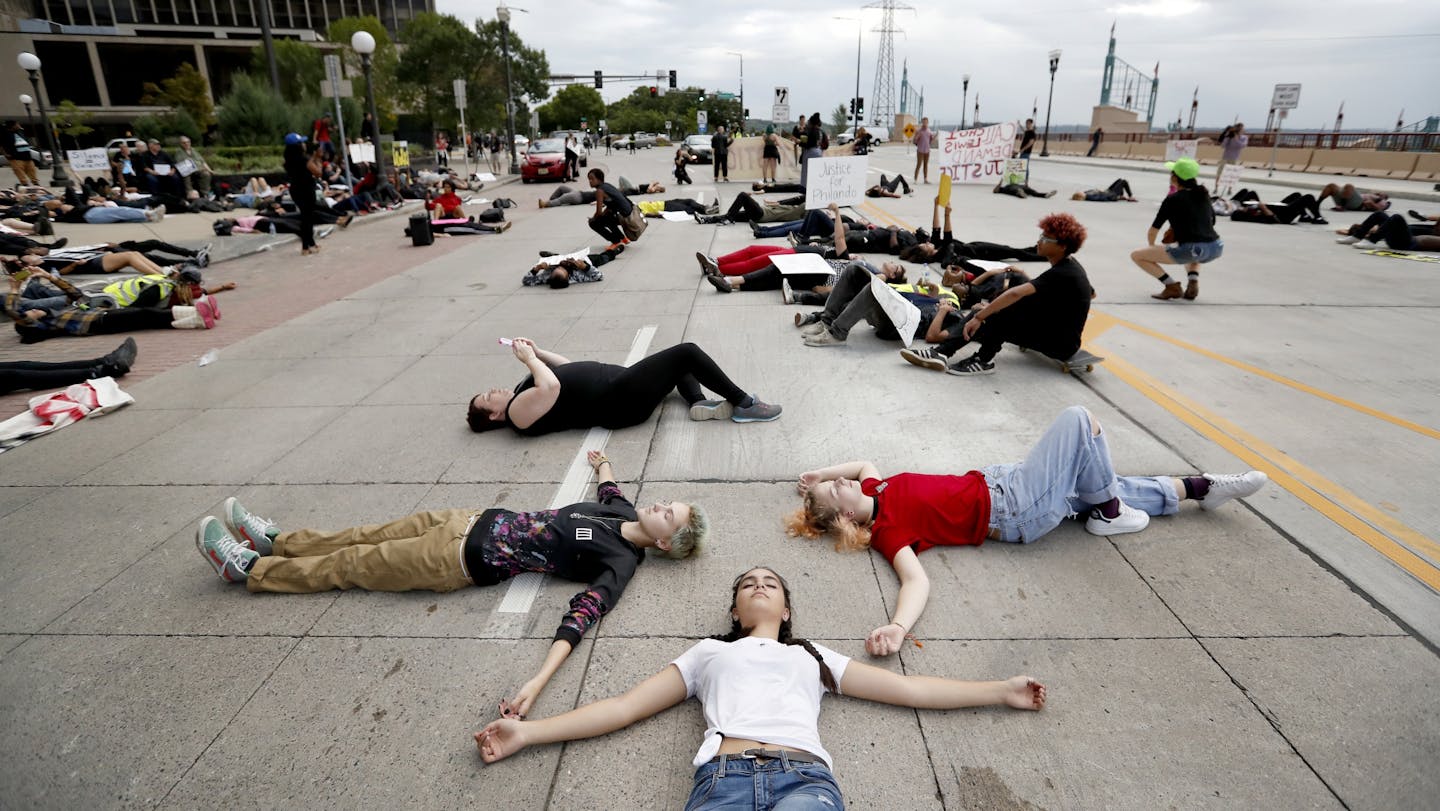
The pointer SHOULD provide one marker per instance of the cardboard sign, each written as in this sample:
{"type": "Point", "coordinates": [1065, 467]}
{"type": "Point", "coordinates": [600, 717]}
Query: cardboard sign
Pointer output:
{"type": "Point", "coordinates": [1175, 150]}
{"type": "Point", "coordinates": [976, 155]}
{"type": "Point", "coordinates": [835, 180]}
{"type": "Point", "coordinates": [161, 169]}
{"type": "Point", "coordinates": [904, 315]}
{"type": "Point", "coordinates": [400, 154]}
{"type": "Point", "coordinates": [1414, 257]}
{"type": "Point", "coordinates": [1017, 171]}
{"type": "Point", "coordinates": [791, 264]}
{"type": "Point", "coordinates": [362, 153]}
{"type": "Point", "coordinates": [88, 160]}
{"type": "Point", "coordinates": [944, 196]}
{"type": "Point", "coordinates": [484, 177]}
{"type": "Point", "coordinates": [1229, 179]}
{"type": "Point", "coordinates": [186, 167]}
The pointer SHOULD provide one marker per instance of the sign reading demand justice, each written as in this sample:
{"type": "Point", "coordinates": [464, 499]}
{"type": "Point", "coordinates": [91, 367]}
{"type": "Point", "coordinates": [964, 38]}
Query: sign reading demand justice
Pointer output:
{"type": "Point", "coordinates": [976, 155]}
{"type": "Point", "coordinates": [835, 180]}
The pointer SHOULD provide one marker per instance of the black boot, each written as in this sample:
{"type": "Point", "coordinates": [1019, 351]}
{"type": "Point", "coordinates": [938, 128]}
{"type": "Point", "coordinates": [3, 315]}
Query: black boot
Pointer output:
{"type": "Point", "coordinates": [118, 362]}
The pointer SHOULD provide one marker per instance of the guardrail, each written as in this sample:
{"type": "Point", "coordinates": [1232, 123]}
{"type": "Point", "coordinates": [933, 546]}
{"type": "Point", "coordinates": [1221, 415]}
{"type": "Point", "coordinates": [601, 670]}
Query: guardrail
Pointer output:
{"type": "Point", "coordinates": [1383, 141]}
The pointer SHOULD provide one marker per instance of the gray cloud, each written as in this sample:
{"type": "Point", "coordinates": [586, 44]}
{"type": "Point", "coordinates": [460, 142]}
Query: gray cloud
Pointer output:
{"type": "Point", "coordinates": [1378, 58]}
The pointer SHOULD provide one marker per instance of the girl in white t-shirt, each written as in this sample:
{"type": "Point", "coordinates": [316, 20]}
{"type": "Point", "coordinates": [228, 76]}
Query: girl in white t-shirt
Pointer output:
{"type": "Point", "coordinates": [760, 689]}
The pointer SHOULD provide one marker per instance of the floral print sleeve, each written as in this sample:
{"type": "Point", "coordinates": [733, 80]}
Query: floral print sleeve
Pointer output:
{"type": "Point", "coordinates": [609, 492]}
{"type": "Point", "coordinates": [586, 608]}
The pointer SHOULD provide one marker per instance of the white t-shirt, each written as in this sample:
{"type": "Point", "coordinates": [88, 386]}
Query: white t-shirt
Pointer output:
{"type": "Point", "coordinates": [760, 690]}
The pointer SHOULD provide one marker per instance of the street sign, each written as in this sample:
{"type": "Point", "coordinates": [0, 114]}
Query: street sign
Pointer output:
{"type": "Point", "coordinates": [347, 89]}
{"type": "Point", "coordinates": [332, 80]}
{"type": "Point", "coordinates": [701, 119]}
{"type": "Point", "coordinates": [602, 125]}
{"type": "Point", "coordinates": [780, 113]}
{"type": "Point", "coordinates": [782, 96]}
{"type": "Point", "coordinates": [1287, 97]}
{"type": "Point", "coordinates": [667, 126]}
{"type": "Point", "coordinates": [909, 131]}
{"type": "Point", "coordinates": [459, 94]}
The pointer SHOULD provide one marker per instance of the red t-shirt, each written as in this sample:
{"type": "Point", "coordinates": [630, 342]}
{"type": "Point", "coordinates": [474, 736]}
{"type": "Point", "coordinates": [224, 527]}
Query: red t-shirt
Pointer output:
{"type": "Point", "coordinates": [923, 510]}
{"type": "Point", "coordinates": [445, 202]}
{"type": "Point", "coordinates": [322, 130]}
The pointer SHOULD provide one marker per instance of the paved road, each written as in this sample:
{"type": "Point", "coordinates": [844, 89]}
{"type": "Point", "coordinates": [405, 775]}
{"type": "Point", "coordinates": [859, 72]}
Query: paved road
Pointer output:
{"type": "Point", "coordinates": [1271, 654]}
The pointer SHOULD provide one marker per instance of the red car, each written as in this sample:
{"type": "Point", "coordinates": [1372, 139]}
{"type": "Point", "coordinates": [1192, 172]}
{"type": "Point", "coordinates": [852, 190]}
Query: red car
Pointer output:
{"type": "Point", "coordinates": [544, 160]}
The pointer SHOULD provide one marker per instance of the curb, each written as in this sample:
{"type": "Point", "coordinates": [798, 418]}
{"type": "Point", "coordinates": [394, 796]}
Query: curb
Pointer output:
{"type": "Point", "coordinates": [1159, 168]}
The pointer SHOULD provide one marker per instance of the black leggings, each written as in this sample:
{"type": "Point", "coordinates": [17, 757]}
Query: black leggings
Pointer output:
{"type": "Point", "coordinates": [993, 252]}
{"type": "Point", "coordinates": [30, 374]}
{"type": "Point", "coordinates": [607, 225]}
{"type": "Point", "coordinates": [745, 208]}
{"type": "Point", "coordinates": [686, 205]}
{"type": "Point", "coordinates": [798, 188]}
{"type": "Point", "coordinates": [148, 245]}
{"type": "Point", "coordinates": [897, 182]}
{"type": "Point", "coordinates": [306, 219]}
{"type": "Point", "coordinates": [641, 388]}
{"type": "Point", "coordinates": [770, 278]}
{"type": "Point", "coordinates": [1392, 228]}
{"type": "Point", "coordinates": [1016, 324]}
{"type": "Point", "coordinates": [1121, 188]}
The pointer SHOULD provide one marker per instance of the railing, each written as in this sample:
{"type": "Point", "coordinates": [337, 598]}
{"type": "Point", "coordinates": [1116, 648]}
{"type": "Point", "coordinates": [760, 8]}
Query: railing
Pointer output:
{"type": "Point", "coordinates": [1386, 141]}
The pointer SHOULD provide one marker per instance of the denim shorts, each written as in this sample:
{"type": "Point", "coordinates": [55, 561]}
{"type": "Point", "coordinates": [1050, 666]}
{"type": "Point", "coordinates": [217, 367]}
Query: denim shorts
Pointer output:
{"type": "Point", "coordinates": [1187, 253]}
{"type": "Point", "coordinates": [749, 783]}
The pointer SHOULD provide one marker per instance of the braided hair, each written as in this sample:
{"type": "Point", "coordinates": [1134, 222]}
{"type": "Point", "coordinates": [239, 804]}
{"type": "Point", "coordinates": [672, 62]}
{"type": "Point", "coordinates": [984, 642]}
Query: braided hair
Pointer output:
{"type": "Point", "coordinates": [785, 637]}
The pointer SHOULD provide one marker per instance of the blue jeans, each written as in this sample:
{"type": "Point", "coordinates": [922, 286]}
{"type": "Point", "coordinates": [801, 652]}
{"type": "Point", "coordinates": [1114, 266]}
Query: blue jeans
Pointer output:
{"type": "Point", "coordinates": [104, 214]}
{"type": "Point", "coordinates": [1190, 253]}
{"type": "Point", "coordinates": [816, 224]}
{"type": "Point", "coordinates": [1066, 473]}
{"type": "Point", "coordinates": [776, 785]}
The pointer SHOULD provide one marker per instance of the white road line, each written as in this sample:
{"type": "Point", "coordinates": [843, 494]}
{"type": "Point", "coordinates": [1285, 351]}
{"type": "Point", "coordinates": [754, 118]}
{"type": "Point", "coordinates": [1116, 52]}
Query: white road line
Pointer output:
{"type": "Point", "coordinates": [523, 590]}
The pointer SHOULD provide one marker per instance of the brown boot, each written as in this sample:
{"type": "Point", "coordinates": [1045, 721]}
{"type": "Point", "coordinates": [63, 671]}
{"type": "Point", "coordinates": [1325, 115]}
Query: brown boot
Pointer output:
{"type": "Point", "coordinates": [1172, 290]}
{"type": "Point", "coordinates": [1192, 289]}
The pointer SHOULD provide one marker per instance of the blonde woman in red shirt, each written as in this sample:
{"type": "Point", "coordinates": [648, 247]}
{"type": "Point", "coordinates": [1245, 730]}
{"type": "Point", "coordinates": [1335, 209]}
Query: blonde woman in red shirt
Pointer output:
{"type": "Point", "coordinates": [447, 205]}
{"type": "Point", "coordinates": [1067, 473]}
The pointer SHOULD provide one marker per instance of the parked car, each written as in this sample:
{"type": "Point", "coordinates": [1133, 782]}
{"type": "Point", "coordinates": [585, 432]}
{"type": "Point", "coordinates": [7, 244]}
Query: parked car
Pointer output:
{"type": "Point", "coordinates": [135, 144]}
{"type": "Point", "coordinates": [579, 143]}
{"type": "Point", "coordinates": [521, 142]}
{"type": "Point", "coordinates": [642, 140]}
{"type": "Point", "coordinates": [697, 149]}
{"type": "Point", "coordinates": [544, 160]}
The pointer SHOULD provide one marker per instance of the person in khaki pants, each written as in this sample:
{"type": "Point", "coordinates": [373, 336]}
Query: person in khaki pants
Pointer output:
{"type": "Point", "coordinates": [598, 542]}
{"type": "Point", "coordinates": [19, 154]}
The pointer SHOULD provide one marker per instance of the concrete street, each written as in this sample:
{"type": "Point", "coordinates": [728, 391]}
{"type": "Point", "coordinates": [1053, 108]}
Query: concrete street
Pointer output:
{"type": "Point", "coordinates": [1277, 653]}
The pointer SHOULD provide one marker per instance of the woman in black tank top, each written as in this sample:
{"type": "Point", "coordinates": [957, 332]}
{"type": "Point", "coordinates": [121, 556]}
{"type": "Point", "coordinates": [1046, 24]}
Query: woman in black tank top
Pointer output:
{"type": "Point", "coordinates": [559, 394]}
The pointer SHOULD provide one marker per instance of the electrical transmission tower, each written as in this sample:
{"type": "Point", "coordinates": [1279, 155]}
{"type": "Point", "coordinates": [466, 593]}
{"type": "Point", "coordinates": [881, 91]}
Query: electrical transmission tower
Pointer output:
{"type": "Point", "coordinates": [883, 103]}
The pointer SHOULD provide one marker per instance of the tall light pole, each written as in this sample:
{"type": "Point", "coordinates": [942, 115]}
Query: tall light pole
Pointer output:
{"type": "Point", "coordinates": [742, 88]}
{"type": "Point", "coordinates": [30, 63]}
{"type": "Point", "coordinates": [27, 100]}
{"type": "Point", "coordinates": [964, 97]}
{"type": "Point", "coordinates": [503, 14]}
{"type": "Point", "coordinates": [364, 44]}
{"type": "Point", "coordinates": [859, 34]}
{"type": "Point", "coordinates": [1054, 65]}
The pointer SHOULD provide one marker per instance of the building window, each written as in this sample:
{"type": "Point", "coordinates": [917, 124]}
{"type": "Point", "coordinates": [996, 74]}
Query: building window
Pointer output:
{"type": "Point", "coordinates": [67, 73]}
{"type": "Point", "coordinates": [141, 63]}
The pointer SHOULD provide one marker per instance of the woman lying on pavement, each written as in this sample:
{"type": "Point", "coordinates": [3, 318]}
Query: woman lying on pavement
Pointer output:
{"type": "Point", "coordinates": [942, 248]}
{"type": "Point", "coordinates": [691, 206]}
{"type": "Point", "coordinates": [748, 208]}
{"type": "Point", "coordinates": [1394, 231]}
{"type": "Point", "coordinates": [760, 690]}
{"type": "Point", "coordinates": [599, 542]}
{"type": "Point", "coordinates": [35, 325]}
{"type": "Point", "coordinates": [566, 196]}
{"type": "Point", "coordinates": [1067, 473]}
{"type": "Point", "coordinates": [34, 375]}
{"type": "Point", "coordinates": [1047, 314]}
{"type": "Point", "coordinates": [811, 287]}
{"type": "Point", "coordinates": [558, 395]}
{"type": "Point", "coordinates": [1119, 190]}
{"type": "Point", "coordinates": [1295, 206]}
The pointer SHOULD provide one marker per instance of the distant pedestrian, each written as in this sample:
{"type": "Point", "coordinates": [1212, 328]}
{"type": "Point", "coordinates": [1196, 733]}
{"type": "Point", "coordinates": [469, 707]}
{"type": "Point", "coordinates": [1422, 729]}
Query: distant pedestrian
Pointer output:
{"type": "Point", "coordinates": [442, 150]}
{"type": "Point", "coordinates": [922, 141]}
{"type": "Point", "coordinates": [1095, 138]}
{"type": "Point", "coordinates": [320, 135]}
{"type": "Point", "coordinates": [607, 143]}
{"type": "Point", "coordinates": [302, 167]}
{"type": "Point", "coordinates": [572, 158]}
{"type": "Point", "coordinates": [1232, 142]}
{"type": "Point", "coordinates": [770, 155]}
{"type": "Point", "coordinates": [1027, 141]}
{"type": "Point", "coordinates": [720, 153]}
{"type": "Point", "coordinates": [811, 142]}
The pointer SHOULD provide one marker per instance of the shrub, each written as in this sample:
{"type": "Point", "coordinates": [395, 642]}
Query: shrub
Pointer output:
{"type": "Point", "coordinates": [167, 127]}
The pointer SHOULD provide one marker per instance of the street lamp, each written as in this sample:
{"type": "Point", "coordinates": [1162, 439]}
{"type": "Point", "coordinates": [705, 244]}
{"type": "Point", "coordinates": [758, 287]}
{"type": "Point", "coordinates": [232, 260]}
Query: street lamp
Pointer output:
{"type": "Point", "coordinates": [964, 97]}
{"type": "Point", "coordinates": [859, 32]}
{"type": "Point", "coordinates": [364, 44]}
{"type": "Point", "coordinates": [27, 100]}
{"type": "Point", "coordinates": [1054, 64]}
{"type": "Point", "coordinates": [742, 88]}
{"type": "Point", "coordinates": [30, 63]}
{"type": "Point", "coordinates": [503, 14]}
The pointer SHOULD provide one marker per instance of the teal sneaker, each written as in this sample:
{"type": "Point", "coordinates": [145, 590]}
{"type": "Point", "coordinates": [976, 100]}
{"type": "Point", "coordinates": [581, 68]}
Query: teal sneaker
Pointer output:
{"type": "Point", "coordinates": [757, 411]}
{"type": "Point", "coordinates": [250, 529]}
{"type": "Point", "coordinates": [230, 559]}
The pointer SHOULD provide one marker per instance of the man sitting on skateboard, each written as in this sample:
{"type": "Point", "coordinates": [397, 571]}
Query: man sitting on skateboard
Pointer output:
{"type": "Point", "coordinates": [1047, 314]}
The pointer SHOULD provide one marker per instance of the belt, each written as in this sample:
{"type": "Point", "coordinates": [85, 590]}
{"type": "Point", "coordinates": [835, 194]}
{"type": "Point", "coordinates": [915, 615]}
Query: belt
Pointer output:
{"type": "Point", "coordinates": [762, 755]}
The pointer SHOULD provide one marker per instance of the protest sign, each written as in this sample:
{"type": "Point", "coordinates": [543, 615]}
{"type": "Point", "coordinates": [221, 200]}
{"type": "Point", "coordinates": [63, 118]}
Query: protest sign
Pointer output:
{"type": "Point", "coordinates": [791, 264]}
{"type": "Point", "coordinates": [400, 154]}
{"type": "Point", "coordinates": [1229, 180]}
{"type": "Point", "coordinates": [835, 180]}
{"type": "Point", "coordinates": [363, 153]}
{"type": "Point", "coordinates": [904, 315]}
{"type": "Point", "coordinates": [161, 169]}
{"type": "Point", "coordinates": [944, 197]}
{"type": "Point", "coordinates": [976, 155]}
{"type": "Point", "coordinates": [1175, 150]}
{"type": "Point", "coordinates": [186, 167]}
{"type": "Point", "coordinates": [1017, 171]}
{"type": "Point", "coordinates": [88, 160]}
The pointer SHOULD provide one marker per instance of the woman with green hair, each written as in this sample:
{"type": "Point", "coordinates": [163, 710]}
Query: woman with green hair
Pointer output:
{"type": "Point", "coordinates": [770, 155]}
{"type": "Point", "coordinates": [598, 542]}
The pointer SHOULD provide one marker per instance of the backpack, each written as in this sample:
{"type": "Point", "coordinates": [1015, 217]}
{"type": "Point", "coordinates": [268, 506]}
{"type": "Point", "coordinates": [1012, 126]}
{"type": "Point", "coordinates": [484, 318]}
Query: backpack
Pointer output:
{"type": "Point", "coordinates": [223, 228]}
{"type": "Point", "coordinates": [492, 215]}
{"type": "Point", "coordinates": [419, 231]}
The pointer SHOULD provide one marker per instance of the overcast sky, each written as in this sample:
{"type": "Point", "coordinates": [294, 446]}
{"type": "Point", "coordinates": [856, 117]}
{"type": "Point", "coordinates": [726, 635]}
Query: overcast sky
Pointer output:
{"type": "Point", "coordinates": [1376, 57]}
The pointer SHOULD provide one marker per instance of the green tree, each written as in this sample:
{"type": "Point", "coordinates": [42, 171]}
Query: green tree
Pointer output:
{"type": "Point", "coordinates": [839, 119]}
{"type": "Point", "coordinates": [253, 114]}
{"type": "Point", "coordinates": [70, 120]}
{"type": "Point", "coordinates": [301, 66]}
{"type": "Point", "coordinates": [529, 71]}
{"type": "Point", "coordinates": [570, 105]}
{"type": "Point", "coordinates": [383, 64]}
{"type": "Point", "coordinates": [167, 127]}
{"type": "Point", "coordinates": [187, 90]}
{"type": "Point", "coordinates": [439, 48]}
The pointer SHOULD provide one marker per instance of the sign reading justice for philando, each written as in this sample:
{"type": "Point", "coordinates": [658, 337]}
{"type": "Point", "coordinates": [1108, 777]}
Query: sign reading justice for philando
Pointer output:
{"type": "Point", "coordinates": [835, 180]}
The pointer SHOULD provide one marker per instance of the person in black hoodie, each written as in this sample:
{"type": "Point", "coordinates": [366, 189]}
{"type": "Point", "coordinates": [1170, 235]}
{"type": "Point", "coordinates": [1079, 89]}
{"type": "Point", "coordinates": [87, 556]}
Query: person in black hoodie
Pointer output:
{"type": "Point", "coordinates": [598, 542]}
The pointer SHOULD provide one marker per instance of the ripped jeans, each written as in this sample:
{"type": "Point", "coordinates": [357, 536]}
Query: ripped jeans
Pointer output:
{"type": "Point", "coordinates": [1066, 473]}
{"type": "Point", "coordinates": [728, 782]}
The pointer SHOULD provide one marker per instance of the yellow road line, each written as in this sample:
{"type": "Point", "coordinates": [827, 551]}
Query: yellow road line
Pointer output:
{"type": "Point", "coordinates": [1284, 381]}
{"type": "Point", "coordinates": [1344, 508]}
{"type": "Point", "coordinates": [882, 214]}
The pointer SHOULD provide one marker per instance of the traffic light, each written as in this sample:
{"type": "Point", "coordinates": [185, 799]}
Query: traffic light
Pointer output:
{"type": "Point", "coordinates": [860, 108]}
{"type": "Point", "coordinates": [852, 106]}
{"type": "Point", "coordinates": [654, 91]}
{"type": "Point", "coordinates": [599, 80]}
{"type": "Point", "coordinates": [672, 80]}
{"type": "Point", "coordinates": [747, 112]}
{"type": "Point", "coordinates": [702, 97]}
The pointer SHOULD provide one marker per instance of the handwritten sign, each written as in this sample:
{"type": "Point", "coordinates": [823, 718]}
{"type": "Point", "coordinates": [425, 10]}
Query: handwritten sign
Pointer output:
{"type": "Point", "coordinates": [1175, 150]}
{"type": "Point", "coordinates": [88, 160]}
{"type": "Point", "coordinates": [976, 155]}
{"type": "Point", "coordinates": [1017, 171]}
{"type": "Point", "coordinates": [1229, 179]}
{"type": "Point", "coordinates": [363, 153]}
{"type": "Point", "coordinates": [400, 154]}
{"type": "Point", "coordinates": [835, 180]}
{"type": "Point", "coordinates": [904, 315]}
{"type": "Point", "coordinates": [186, 167]}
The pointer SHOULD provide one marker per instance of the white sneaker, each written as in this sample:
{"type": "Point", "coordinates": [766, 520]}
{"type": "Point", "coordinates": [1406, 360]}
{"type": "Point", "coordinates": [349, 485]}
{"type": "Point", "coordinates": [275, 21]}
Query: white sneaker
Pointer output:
{"type": "Point", "coordinates": [1129, 520]}
{"type": "Point", "coordinates": [785, 292]}
{"type": "Point", "coordinates": [813, 329]}
{"type": "Point", "coordinates": [154, 214]}
{"type": "Point", "coordinates": [1362, 245]}
{"type": "Point", "coordinates": [1348, 240]}
{"type": "Point", "coordinates": [1229, 486]}
{"type": "Point", "coordinates": [823, 338]}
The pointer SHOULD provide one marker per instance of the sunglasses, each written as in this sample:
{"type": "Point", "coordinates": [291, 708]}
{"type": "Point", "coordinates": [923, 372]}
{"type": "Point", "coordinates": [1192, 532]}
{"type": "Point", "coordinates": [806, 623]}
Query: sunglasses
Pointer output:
{"type": "Point", "coordinates": [1051, 240]}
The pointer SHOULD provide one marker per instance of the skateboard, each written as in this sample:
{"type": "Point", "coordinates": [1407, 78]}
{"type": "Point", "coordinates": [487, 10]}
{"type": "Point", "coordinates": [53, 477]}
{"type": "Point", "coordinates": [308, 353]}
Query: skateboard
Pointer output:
{"type": "Point", "coordinates": [1080, 360]}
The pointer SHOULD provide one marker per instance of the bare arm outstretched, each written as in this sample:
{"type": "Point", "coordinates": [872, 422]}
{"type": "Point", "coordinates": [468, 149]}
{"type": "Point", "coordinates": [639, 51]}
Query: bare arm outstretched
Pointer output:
{"type": "Point", "coordinates": [934, 693]}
